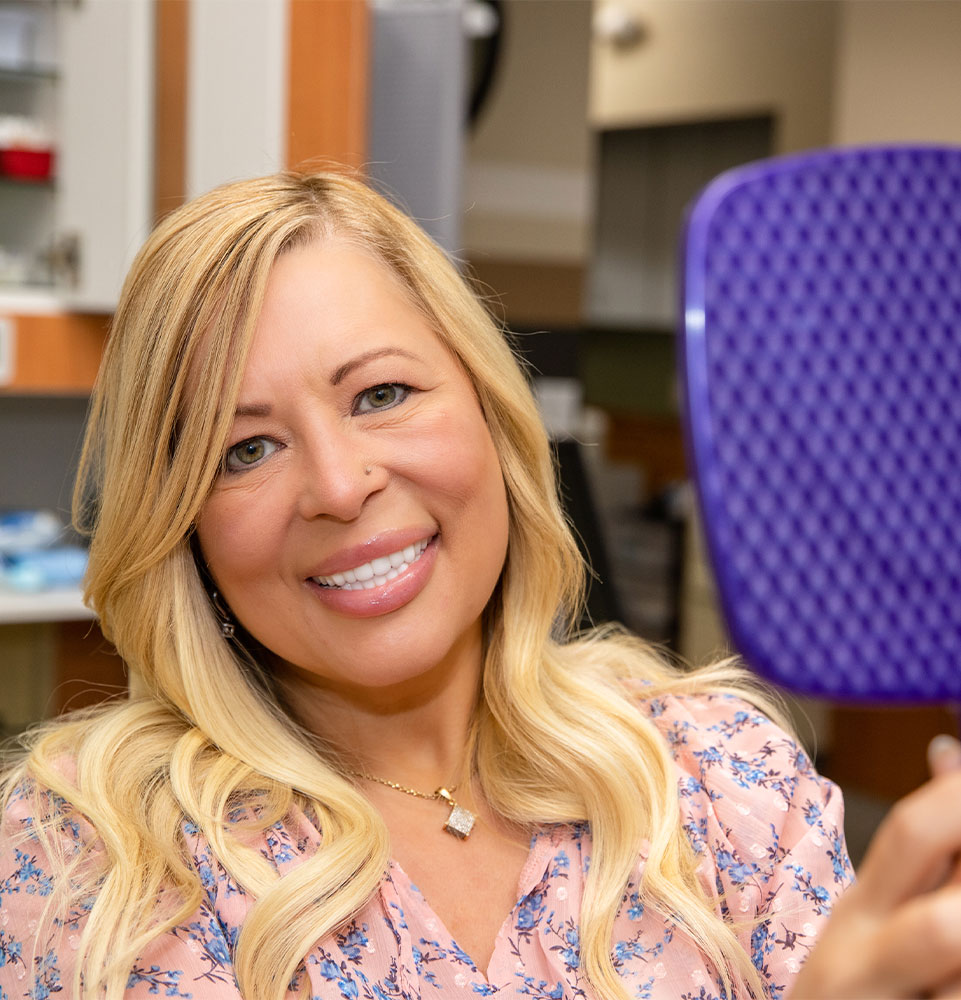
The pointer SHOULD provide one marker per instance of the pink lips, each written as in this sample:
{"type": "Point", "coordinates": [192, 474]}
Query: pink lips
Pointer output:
{"type": "Point", "coordinates": [383, 576]}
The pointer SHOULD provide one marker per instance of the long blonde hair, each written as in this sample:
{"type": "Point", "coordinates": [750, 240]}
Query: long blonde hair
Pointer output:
{"type": "Point", "coordinates": [556, 738]}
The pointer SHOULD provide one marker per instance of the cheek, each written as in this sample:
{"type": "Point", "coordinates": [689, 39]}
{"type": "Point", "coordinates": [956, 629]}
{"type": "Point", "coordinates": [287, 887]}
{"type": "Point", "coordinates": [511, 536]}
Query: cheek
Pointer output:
{"type": "Point", "coordinates": [472, 473]}
{"type": "Point", "coordinates": [234, 534]}
{"type": "Point", "coordinates": [482, 490]}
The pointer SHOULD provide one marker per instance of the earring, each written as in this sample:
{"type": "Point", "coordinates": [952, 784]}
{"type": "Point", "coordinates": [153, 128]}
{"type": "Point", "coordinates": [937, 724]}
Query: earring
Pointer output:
{"type": "Point", "coordinates": [227, 627]}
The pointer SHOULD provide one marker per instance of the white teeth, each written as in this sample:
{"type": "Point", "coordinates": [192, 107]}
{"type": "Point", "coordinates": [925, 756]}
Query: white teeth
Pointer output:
{"type": "Point", "coordinates": [377, 572]}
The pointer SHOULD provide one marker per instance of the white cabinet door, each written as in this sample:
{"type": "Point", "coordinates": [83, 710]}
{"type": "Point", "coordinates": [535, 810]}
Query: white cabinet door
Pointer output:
{"type": "Point", "coordinates": [236, 104]}
{"type": "Point", "coordinates": [106, 143]}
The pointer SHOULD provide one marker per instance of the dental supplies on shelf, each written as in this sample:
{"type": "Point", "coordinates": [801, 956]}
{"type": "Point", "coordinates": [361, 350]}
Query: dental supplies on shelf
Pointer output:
{"type": "Point", "coordinates": [35, 554]}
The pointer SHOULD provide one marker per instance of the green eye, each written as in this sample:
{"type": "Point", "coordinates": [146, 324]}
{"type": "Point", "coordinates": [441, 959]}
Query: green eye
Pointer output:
{"type": "Point", "coordinates": [381, 397]}
{"type": "Point", "coordinates": [248, 453]}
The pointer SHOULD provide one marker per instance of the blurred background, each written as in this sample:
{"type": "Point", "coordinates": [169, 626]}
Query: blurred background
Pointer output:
{"type": "Point", "coordinates": [550, 146]}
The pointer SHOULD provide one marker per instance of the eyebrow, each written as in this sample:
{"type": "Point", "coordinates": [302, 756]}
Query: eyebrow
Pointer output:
{"type": "Point", "coordinates": [253, 410]}
{"type": "Point", "coordinates": [380, 352]}
{"type": "Point", "coordinates": [265, 409]}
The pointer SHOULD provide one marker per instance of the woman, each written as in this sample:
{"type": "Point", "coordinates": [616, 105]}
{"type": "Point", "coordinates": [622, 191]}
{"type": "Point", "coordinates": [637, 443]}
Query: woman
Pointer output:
{"type": "Point", "coordinates": [362, 754]}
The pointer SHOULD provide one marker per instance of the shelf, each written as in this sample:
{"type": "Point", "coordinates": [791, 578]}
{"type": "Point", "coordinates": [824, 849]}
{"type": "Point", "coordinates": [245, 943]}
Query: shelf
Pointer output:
{"type": "Point", "coordinates": [29, 300]}
{"type": "Point", "coordinates": [8, 289]}
{"type": "Point", "coordinates": [40, 183]}
{"type": "Point", "coordinates": [62, 605]}
{"type": "Point", "coordinates": [28, 75]}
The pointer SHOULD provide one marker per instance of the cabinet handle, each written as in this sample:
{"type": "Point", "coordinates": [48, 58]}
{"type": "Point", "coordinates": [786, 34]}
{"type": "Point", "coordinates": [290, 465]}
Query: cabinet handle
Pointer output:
{"type": "Point", "coordinates": [616, 25]}
{"type": "Point", "coordinates": [65, 259]}
{"type": "Point", "coordinates": [8, 340]}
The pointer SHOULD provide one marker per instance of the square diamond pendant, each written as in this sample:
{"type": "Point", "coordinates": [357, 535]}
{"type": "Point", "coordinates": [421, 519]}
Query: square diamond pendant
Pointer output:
{"type": "Point", "coordinates": [460, 822]}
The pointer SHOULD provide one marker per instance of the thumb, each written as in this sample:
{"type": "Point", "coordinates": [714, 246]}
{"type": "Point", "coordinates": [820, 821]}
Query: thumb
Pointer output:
{"type": "Point", "coordinates": [944, 755]}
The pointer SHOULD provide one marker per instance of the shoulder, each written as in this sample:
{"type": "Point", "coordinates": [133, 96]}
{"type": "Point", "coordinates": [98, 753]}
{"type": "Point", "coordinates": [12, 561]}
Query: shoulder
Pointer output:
{"type": "Point", "coordinates": [722, 740]}
{"type": "Point", "coordinates": [749, 794]}
{"type": "Point", "coordinates": [747, 771]}
{"type": "Point", "coordinates": [46, 845]}
{"type": "Point", "coordinates": [41, 836]}
{"type": "Point", "coordinates": [712, 731]}
{"type": "Point", "coordinates": [33, 815]}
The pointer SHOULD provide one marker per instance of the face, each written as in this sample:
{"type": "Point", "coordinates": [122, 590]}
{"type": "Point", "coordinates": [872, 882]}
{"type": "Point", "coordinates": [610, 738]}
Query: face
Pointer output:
{"type": "Point", "coordinates": [359, 525]}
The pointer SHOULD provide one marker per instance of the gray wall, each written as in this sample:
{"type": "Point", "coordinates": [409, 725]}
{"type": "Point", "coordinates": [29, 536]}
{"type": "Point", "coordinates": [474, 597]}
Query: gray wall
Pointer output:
{"type": "Point", "coordinates": [41, 436]}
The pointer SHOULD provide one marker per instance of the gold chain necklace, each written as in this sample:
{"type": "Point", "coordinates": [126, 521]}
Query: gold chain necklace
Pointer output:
{"type": "Point", "coordinates": [460, 821]}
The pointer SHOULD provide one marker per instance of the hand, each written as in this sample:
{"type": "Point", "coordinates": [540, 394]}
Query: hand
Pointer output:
{"type": "Point", "coordinates": [896, 933]}
{"type": "Point", "coordinates": [944, 756]}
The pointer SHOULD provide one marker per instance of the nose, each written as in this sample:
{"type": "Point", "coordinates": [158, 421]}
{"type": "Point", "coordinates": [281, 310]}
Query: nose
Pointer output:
{"type": "Point", "coordinates": [338, 475]}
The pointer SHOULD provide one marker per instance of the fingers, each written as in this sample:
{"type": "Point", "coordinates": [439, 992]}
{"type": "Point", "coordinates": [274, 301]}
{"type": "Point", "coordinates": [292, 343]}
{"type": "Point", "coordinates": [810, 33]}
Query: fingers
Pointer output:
{"type": "Point", "coordinates": [944, 755]}
{"type": "Point", "coordinates": [863, 955]}
{"type": "Point", "coordinates": [914, 848]}
{"type": "Point", "coordinates": [919, 946]}
{"type": "Point", "coordinates": [897, 932]}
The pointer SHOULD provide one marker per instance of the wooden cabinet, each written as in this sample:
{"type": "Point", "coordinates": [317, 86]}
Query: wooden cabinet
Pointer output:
{"type": "Point", "coordinates": [50, 352]}
{"type": "Point", "coordinates": [694, 60]}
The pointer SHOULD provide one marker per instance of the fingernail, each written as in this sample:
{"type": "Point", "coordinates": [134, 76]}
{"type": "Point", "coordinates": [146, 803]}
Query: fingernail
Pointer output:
{"type": "Point", "coordinates": [944, 754]}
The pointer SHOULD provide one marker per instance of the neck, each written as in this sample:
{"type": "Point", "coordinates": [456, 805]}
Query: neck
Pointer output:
{"type": "Point", "coordinates": [415, 732]}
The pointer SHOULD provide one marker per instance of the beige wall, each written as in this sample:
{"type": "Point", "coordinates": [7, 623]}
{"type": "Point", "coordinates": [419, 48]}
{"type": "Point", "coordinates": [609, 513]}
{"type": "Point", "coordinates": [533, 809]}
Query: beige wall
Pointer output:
{"type": "Point", "coordinates": [529, 163]}
{"type": "Point", "coordinates": [711, 60]}
{"type": "Point", "coordinates": [899, 71]}
{"type": "Point", "coordinates": [537, 112]}
{"type": "Point", "coordinates": [529, 175]}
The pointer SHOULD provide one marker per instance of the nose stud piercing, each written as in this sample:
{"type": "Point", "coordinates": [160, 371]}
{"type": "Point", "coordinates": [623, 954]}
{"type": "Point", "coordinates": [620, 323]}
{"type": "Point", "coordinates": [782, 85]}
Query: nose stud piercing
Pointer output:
{"type": "Point", "coordinates": [368, 469]}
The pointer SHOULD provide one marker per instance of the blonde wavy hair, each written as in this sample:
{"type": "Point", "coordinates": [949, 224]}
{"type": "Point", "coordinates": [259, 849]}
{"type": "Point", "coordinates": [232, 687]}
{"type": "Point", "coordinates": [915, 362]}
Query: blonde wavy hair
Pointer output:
{"type": "Point", "coordinates": [556, 737]}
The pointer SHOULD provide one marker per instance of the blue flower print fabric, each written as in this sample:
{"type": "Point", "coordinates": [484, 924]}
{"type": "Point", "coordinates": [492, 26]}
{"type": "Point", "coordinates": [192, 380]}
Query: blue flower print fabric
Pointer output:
{"type": "Point", "coordinates": [767, 830]}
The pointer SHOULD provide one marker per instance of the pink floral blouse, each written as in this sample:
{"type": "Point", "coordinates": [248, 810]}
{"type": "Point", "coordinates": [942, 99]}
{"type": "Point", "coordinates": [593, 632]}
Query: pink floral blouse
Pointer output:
{"type": "Point", "coordinates": [767, 827]}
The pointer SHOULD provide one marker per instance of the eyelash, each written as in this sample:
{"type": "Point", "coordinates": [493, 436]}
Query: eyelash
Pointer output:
{"type": "Point", "coordinates": [404, 392]}
{"type": "Point", "coordinates": [243, 466]}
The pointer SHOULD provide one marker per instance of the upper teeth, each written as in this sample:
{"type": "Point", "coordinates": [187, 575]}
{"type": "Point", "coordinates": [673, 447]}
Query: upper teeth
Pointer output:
{"type": "Point", "coordinates": [376, 572]}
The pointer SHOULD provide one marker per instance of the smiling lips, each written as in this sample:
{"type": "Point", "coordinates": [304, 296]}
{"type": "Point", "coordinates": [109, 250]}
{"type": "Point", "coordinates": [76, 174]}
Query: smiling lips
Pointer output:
{"type": "Point", "coordinates": [377, 572]}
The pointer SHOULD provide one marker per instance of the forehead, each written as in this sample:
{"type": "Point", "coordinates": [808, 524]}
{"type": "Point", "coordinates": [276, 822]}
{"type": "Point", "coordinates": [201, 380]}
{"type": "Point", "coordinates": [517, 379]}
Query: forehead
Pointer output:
{"type": "Point", "coordinates": [329, 300]}
{"type": "Point", "coordinates": [329, 269]}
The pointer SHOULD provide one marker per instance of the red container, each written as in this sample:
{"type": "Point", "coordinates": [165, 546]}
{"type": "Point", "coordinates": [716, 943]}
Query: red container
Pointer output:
{"type": "Point", "coordinates": [31, 164]}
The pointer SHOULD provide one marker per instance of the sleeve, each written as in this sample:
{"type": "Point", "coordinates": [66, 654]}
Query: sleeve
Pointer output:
{"type": "Point", "coordinates": [768, 827]}
{"type": "Point", "coordinates": [39, 937]}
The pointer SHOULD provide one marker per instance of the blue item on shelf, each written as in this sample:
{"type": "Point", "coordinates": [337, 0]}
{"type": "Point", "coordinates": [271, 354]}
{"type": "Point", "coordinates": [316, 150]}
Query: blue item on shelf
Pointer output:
{"type": "Point", "coordinates": [28, 529]}
{"type": "Point", "coordinates": [40, 569]}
